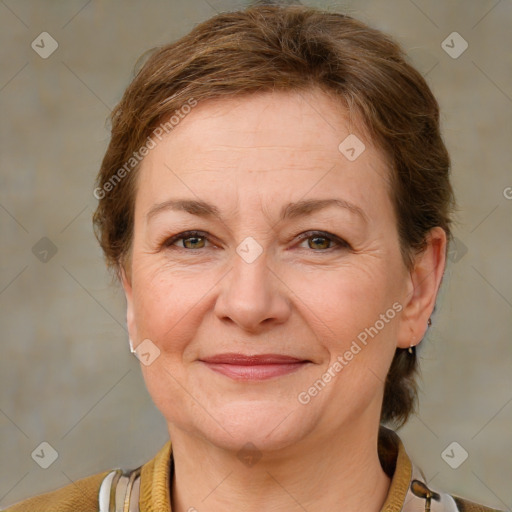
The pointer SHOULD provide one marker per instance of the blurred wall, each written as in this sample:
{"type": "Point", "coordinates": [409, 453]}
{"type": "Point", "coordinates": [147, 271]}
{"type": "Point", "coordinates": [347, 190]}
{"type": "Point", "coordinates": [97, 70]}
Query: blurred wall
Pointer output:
{"type": "Point", "coordinates": [67, 377]}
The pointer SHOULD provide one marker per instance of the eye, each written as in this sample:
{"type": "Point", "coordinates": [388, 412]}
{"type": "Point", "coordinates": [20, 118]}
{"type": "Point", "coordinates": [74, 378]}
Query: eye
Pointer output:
{"type": "Point", "coordinates": [320, 240]}
{"type": "Point", "coordinates": [191, 240]}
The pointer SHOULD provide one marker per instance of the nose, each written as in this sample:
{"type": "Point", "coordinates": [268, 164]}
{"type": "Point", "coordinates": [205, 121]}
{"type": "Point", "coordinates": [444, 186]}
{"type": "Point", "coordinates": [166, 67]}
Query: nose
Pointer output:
{"type": "Point", "coordinates": [253, 295]}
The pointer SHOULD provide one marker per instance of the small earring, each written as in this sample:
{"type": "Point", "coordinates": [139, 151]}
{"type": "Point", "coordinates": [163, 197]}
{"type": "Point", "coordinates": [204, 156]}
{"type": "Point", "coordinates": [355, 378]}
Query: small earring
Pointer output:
{"type": "Point", "coordinates": [429, 323]}
{"type": "Point", "coordinates": [411, 349]}
{"type": "Point", "coordinates": [132, 350]}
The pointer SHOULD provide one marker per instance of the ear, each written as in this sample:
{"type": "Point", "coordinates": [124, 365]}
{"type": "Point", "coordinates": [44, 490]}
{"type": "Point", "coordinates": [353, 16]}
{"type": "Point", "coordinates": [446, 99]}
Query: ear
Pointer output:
{"type": "Point", "coordinates": [130, 316]}
{"type": "Point", "coordinates": [422, 288]}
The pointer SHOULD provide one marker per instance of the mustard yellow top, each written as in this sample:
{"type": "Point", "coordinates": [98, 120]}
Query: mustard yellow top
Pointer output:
{"type": "Point", "coordinates": [408, 491]}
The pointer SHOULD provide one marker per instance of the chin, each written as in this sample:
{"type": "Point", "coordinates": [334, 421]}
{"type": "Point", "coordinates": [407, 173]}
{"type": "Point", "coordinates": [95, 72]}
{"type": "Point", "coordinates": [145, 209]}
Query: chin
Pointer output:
{"type": "Point", "coordinates": [268, 425]}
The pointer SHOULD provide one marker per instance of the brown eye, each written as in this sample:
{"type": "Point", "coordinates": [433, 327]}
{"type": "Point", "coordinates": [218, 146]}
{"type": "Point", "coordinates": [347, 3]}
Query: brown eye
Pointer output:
{"type": "Point", "coordinates": [318, 242]}
{"type": "Point", "coordinates": [189, 240]}
{"type": "Point", "coordinates": [194, 242]}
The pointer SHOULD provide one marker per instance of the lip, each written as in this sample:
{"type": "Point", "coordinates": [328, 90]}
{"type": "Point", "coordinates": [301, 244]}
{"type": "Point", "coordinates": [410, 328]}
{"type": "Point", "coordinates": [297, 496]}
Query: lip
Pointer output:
{"type": "Point", "coordinates": [254, 367]}
{"type": "Point", "coordinates": [251, 360]}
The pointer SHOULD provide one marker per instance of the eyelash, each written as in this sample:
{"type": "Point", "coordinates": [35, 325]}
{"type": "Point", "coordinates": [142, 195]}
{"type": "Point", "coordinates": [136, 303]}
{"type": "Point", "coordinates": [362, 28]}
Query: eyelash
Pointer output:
{"type": "Point", "coordinates": [342, 244]}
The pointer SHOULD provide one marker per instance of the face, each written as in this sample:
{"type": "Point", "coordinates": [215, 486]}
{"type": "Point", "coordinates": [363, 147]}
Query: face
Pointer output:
{"type": "Point", "coordinates": [294, 253]}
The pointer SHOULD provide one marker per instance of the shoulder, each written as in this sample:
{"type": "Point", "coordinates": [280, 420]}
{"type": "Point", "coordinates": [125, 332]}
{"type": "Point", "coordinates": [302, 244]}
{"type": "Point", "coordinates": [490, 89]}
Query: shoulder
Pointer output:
{"type": "Point", "coordinates": [420, 497]}
{"type": "Point", "coordinates": [80, 495]}
{"type": "Point", "coordinates": [103, 490]}
{"type": "Point", "coordinates": [409, 490]}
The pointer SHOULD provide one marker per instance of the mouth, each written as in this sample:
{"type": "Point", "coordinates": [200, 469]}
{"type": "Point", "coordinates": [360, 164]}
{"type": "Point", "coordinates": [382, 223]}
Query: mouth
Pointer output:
{"type": "Point", "coordinates": [254, 367]}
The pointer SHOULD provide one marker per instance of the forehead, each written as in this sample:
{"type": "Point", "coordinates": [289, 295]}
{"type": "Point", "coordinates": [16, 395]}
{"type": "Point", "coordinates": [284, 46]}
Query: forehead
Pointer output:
{"type": "Point", "coordinates": [269, 145]}
{"type": "Point", "coordinates": [269, 122]}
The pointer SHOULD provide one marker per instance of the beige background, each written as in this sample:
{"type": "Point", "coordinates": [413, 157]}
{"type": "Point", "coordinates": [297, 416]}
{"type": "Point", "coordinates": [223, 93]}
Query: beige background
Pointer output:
{"type": "Point", "coordinates": [67, 376]}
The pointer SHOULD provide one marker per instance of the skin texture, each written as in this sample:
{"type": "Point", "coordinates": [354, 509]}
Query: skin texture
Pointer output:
{"type": "Point", "coordinates": [307, 298]}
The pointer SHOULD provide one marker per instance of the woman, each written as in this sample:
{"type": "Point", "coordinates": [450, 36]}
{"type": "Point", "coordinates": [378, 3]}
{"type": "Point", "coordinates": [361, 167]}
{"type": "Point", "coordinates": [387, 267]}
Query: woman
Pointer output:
{"type": "Point", "coordinates": [276, 203]}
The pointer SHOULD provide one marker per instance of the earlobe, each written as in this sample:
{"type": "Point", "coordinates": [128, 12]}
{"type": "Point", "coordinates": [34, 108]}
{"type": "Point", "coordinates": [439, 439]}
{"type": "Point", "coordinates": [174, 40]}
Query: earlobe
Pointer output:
{"type": "Point", "coordinates": [423, 286]}
{"type": "Point", "coordinates": [130, 317]}
{"type": "Point", "coordinates": [126, 282]}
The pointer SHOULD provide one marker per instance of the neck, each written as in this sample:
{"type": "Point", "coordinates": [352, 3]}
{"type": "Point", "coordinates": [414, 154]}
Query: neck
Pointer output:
{"type": "Point", "coordinates": [341, 472]}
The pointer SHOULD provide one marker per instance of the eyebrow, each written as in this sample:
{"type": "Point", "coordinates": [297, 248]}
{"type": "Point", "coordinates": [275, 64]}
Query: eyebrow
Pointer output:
{"type": "Point", "coordinates": [290, 211]}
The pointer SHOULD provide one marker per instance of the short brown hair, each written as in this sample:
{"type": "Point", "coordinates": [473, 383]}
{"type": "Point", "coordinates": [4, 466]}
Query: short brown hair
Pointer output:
{"type": "Point", "coordinates": [293, 48]}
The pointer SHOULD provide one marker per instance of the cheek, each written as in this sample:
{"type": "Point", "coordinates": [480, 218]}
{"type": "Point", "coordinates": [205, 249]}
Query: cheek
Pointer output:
{"type": "Point", "coordinates": [355, 321]}
{"type": "Point", "coordinates": [169, 305]}
{"type": "Point", "coordinates": [167, 311]}
{"type": "Point", "coordinates": [346, 300]}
